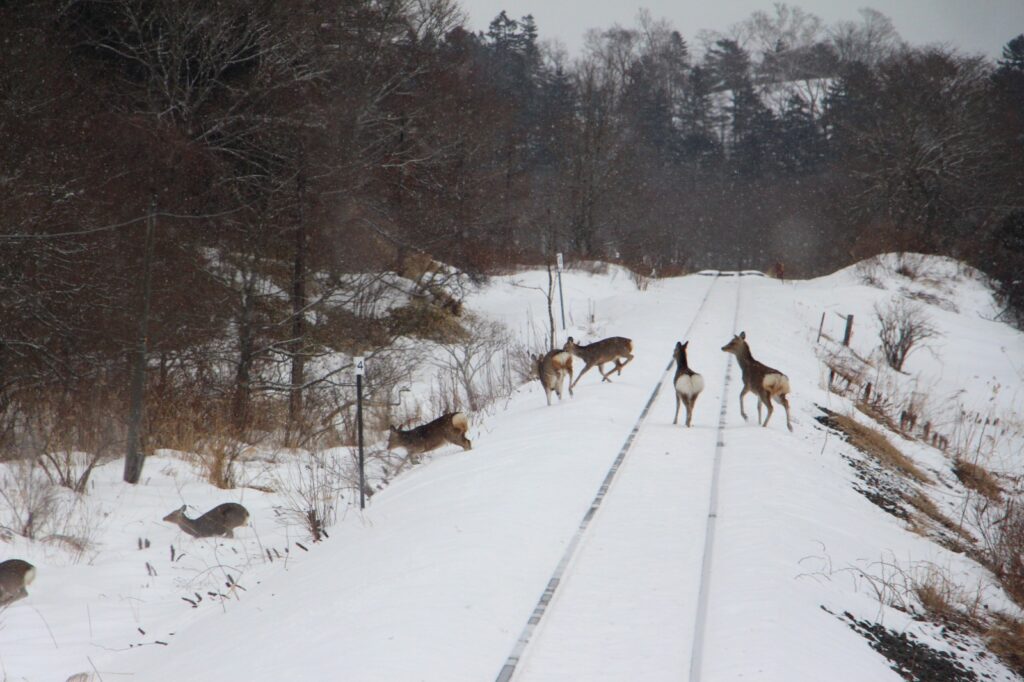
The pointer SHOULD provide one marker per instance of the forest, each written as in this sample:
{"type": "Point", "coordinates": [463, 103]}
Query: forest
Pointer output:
{"type": "Point", "coordinates": [202, 200]}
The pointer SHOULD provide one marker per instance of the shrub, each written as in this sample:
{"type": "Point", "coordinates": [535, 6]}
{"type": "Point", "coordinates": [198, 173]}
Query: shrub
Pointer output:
{"type": "Point", "coordinates": [903, 327]}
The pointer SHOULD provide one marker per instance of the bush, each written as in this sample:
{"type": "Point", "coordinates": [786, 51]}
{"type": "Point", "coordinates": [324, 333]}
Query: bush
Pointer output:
{"type": "Point", "coordinates": [903, 327]}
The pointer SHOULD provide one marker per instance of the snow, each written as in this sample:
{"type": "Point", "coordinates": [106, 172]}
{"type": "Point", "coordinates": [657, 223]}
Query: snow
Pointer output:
{"type": "Point", "coordinates": [438, 577]}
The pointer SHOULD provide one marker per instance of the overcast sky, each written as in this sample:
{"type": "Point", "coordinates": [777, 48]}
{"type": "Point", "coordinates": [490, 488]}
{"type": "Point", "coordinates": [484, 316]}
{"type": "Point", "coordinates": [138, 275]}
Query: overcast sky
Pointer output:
{"type": "Point", "coordinates": [973, 26]}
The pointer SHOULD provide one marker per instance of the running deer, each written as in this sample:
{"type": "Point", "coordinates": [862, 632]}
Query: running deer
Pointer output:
{"type": "Point", "coordinates": [688, 383]}
{"type": "Point", "coordinates": [448, 428]}
{"type": "Point", "coordinates": [15, 576]}
{"type": "Point", "coordinates": [765, 382]}
{"type": "Point", "coordinates": [219, 521]}
{"type": "Point", "coordinates": [552, 369]}
{"type": "Point", "coordinates": [598, 353]}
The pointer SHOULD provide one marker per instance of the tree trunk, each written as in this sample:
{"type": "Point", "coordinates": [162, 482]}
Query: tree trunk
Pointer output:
{"type": "Point", "coordinates": [299, 302]}
{"type": "Point", "coordinates": [135, 457]}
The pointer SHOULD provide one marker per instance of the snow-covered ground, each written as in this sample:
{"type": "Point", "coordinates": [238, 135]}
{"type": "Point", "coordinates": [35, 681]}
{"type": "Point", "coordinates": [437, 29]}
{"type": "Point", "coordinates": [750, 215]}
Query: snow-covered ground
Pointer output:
{"type": "Point", "coordinates": [437, 579]}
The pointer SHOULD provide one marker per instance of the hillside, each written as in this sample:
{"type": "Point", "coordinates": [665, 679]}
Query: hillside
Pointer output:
{"type": "Point", "coordinates": [815, 564]}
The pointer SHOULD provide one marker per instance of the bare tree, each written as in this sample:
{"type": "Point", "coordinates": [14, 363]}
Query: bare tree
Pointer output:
{"type": "Point", "coordinates": [903, 327]}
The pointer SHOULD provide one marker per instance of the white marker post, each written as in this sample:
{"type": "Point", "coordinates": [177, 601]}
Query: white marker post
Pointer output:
{"type": "Point", "coordinates": [561, 298]}
{"type": "Point", "coordinates": [359, 362]}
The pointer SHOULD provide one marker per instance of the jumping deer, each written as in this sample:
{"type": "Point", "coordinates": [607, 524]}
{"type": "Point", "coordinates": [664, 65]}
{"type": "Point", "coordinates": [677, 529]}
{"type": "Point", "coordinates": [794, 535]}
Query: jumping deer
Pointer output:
{"type": "Point", "coordinates": [219, 521]}
{"type": "Point", "coordinates": [552, 369]}
{"type": "Point", "coordinates": [448, 428]}
{"type": "Point", "coordinates": [765, 382]}
{"type": "Point", "coordinates": [598, 353]}
{"type": "Point", "coordinates": [688, 383]}
{"type": "Point", "coordinates": [15, 576]}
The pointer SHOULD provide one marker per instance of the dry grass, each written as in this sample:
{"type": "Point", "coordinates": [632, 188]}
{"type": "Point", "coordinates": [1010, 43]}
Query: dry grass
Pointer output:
{"type": "Point", "coordinates": [924, 504]}
{"type": "Point", "coordinates": [947, 602]}
{"type": "Point", "coordinates": [1006, 640]}
{"type": "Point", "coordinates": [874, 443]}
{"type": "Point", "coordinates": [876, 411]}
{"type": "Point", "coordinates": [977, 478]}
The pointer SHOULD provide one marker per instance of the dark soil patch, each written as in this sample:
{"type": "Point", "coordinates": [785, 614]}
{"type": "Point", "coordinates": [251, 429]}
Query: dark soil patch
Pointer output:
{"type": "Point", "coordinates": [913, 660]}
{"type": "Point", "coordinates": [876, 483]}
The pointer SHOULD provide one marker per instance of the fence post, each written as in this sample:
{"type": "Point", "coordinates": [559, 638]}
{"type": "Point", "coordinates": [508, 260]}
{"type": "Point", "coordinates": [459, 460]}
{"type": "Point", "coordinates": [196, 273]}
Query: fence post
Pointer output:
{"type": "Point", "coordinates": [360, 365]}
{"type": "Point", "coordinates": [561, 298]}
{"type": "Point", "coordinates": [849, 330]}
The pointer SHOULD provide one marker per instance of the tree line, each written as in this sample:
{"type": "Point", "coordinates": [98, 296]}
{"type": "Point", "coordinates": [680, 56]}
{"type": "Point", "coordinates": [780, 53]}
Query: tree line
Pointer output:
{"type": "Point", "coordinates": [202, 198]}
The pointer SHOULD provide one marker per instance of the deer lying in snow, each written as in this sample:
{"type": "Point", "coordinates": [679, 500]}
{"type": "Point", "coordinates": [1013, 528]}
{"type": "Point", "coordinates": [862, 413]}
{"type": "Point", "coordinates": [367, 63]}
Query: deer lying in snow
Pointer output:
{"type": "Point", "coordinates": [600, 352]}
{"type": "Point", "coordinates": [765, 382]}
{"type": "Point", "coordinates": [552, 369]}
{"type": "Point", "coordinates": [688, 383]}
{"type": "Point", "coordinates": [15, 576]}
{"type": "Point", "coordinates": [219, 521]}
{"type": "Point", "coordinates": [448, 428]}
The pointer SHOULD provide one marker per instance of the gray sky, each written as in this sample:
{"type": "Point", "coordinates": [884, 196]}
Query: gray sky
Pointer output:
{"type": "Point", "coordinates": [973, 26]}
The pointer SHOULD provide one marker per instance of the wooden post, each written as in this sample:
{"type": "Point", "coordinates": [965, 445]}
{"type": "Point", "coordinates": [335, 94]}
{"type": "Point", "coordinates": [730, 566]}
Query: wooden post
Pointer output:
{"type": "Point", "coordinates": [821, 327]}
{"type": "Point", "coordinates": [561, 298]}
{"type": "Point", "coordinates": [360, 364]}
{"type": "Point", "coordinates": [849, 330]}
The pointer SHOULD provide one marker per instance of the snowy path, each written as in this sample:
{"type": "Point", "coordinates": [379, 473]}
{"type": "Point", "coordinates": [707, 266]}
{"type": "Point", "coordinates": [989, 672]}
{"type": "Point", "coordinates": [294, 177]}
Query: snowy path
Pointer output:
{"type": "Point", "coordinates": [641, 612]}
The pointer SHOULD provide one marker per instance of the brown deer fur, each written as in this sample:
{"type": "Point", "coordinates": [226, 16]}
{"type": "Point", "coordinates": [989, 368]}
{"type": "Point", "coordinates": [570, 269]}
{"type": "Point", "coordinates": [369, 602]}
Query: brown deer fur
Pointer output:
{"type": "Point", "coordinates": [448, 428]}
{"type": "Point", "coordinates": [598, 353]}
{"type": "Point", "coordinates": [688, 384]}
{"type": "Point", "coordinates": [766, 383]}
{"type": "Point", "coordinates": [15, 576]}
{"type": "Point", "coordinates": [552, 368]}
{"type": "Point", "coordinates": [219, 521]}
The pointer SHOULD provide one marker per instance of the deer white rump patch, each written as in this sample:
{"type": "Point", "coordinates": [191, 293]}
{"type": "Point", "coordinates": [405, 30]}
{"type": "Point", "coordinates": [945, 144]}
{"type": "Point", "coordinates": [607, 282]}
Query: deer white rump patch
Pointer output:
{"type": "Point", "coordinates": [776, 384]}
{"type": "Point", "coordinates": [460, 421]}
{"type": "Point", "coordinates": [561, 358]}
{"type": "Point", "coordinates": [30, 575]}
{"type": "Point", "coordinates": [690, 384]}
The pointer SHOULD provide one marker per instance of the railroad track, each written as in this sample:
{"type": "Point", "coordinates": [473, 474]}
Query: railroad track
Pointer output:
{"type": "Point", "coordinates": [583, 585]}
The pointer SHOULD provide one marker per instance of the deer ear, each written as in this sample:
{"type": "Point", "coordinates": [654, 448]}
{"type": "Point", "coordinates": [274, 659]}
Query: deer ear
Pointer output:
{"type": "Point", "coordinates": [743, 335]}
{"type": "Point", "coordinates": [685, 344]}
{"type": "Point", "coordinates": [570, 340]}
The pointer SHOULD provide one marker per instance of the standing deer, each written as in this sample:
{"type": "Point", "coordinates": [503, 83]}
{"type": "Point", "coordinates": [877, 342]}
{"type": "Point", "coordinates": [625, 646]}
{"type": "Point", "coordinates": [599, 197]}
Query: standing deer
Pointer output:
{"type": "Point", "coordinates": [220, 521]}
{"type": "Point", "coordinates": [552, 368]}
{"type": "Point", "coordinates": [15, 576]}
{"type": "Point", "coordinates": [600, 352]}
{"type": "Point", "coordinates": [448, 428]}
{"type": "Point", "coordinates": [688, 383]}
{"type": "Point", "coordinates": [765, 382]}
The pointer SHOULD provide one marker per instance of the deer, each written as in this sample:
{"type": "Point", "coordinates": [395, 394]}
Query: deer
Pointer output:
{"type": "Point", "coordinates": [598, 353]}
{"type": "Point", "coordinates": [688, 383]}
{"type": "Point", "coordinates": [552, 368]}
{"type": "Point", "coordinates": [766, 383]}
{"type": "Point", "coordinates": [15, 576]}
{"type": "Point", "coordinates": [448, 428]}
{"type": "Point", "coordinates": [218, 522]}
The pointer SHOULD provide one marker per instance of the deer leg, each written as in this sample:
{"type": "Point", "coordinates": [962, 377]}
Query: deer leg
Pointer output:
{"type": "Point", "coordinates": [742, 413]}
{"type": "Point", "coordinates": [570, 380]}
{"type": "Point", "coordinates": [689, 409]}
{"type": "Point", "coordinates": [580, 375]}
{"type": "Point", "coordinates": [547, 394]}
{"type": "Point", "coordinates": [461, 439]}
{"type": "Point", "coordinates": [785, 403]}
{"type": "Point", "coordinates": [629, 358]}
{"type": "Point", "coordinates": [678, 400]}
{"type": "Point", "coordinates": [604, 375]}
{"type": "Point", "coordinates": [767, 400]}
